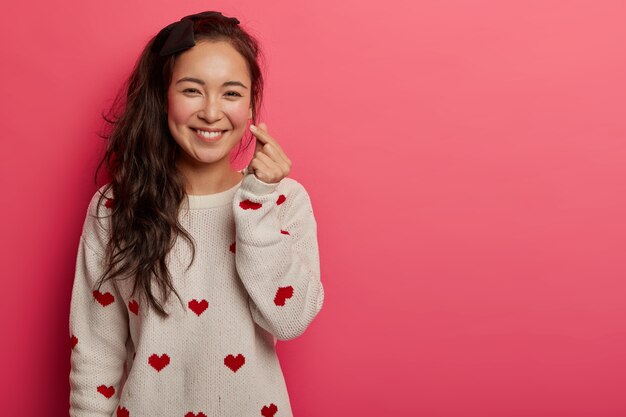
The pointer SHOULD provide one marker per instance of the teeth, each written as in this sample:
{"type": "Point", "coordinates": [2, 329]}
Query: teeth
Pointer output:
{"type": "Point", "coordinates": [209, 134]}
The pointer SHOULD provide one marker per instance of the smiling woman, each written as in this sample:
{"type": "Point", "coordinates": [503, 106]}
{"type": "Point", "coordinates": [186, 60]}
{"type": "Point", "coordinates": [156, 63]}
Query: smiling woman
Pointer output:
{"type": "Point", "coordinates": [135, 350]}
{"type": "Point", "coordinates": [208, 111]}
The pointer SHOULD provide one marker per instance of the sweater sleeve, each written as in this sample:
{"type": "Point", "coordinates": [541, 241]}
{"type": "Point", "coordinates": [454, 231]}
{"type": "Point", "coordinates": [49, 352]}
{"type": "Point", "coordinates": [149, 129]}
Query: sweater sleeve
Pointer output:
{"type": "Point", "coordinates": [98, 328]}
{"type": "Point", "coordinates": [277, 255]}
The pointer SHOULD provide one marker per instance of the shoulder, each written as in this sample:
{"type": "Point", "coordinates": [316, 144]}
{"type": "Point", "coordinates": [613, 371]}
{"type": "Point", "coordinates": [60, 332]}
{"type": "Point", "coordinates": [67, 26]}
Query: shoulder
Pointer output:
{"type": "Point", "coordinates": [103, 197]}
{"type": "Point", "coordinates": [97, 218]}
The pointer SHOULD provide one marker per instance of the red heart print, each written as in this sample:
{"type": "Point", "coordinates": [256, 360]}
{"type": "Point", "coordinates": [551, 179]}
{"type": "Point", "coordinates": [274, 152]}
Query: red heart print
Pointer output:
{"type": "Point", "coordinates": [247, 204]}
{"type": "Point", "coordinates": [232, 247]}
{"type": "Point", "coordinates": [73, 341]}
{"type": "Point", "coordinates": [109, 203]}
{"type": "Point", "coordinates": [284, 232]}
{"type": "Point", "coordinates": [281, 200]}
{"type": "Point", "coordinates": [198, 307]}
{"type": "Point", "coordinates": [106, 391]}
{"type": "Point", "coordinates": [190, 414]}
{"type": "Point", "coordinates": [133, 306]}
{"type": "Point", "coordinates": [234, 362]}
{"type": "Point", "coordinates": [122, 412]}
{"type": "Point", "coordinates": [159, 362]}
{"type": "Point", "coordinates": [269, 411]}
{"type": "Point", "coordinates": [104, 299]}
{"type": "Point", "coordinates": [282, 294]}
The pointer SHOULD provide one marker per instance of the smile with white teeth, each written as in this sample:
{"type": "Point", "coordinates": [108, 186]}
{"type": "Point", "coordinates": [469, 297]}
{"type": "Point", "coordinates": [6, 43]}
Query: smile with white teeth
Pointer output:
{"type": "Point", "coordinates": [208, 134]}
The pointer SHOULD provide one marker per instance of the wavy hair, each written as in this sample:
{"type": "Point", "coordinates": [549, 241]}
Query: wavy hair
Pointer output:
{"type": "Point", "coordinates": [140, 158]}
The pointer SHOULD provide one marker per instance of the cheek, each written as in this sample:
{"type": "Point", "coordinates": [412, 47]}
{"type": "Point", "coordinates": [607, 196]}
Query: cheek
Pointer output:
{"type": "Point", "coordinates": [178, 111]}
{"type": "Point", "coordinates": [239, 113]}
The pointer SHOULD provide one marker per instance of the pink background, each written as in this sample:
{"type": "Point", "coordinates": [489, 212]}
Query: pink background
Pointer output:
{"type": "Point", "coordinates": [466, 162]}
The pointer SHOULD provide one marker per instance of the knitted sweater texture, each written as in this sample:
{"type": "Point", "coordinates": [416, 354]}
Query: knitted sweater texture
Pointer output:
{"type": "Point", "coordinates": [255, 279]}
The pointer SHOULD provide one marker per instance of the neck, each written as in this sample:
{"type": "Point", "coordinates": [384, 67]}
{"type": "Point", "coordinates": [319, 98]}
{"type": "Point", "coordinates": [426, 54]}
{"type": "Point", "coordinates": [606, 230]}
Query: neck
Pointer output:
{"type": "Point", "coordinates": [204, 179]}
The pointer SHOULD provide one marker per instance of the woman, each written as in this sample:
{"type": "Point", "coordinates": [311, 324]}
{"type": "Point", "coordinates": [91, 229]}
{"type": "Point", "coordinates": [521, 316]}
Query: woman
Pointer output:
{"type": "Point", "coordinates": [238, 249]}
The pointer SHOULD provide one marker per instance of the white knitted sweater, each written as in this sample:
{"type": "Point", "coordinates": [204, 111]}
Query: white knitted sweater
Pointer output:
{"type": "Point", "coordinates": [255, 279]}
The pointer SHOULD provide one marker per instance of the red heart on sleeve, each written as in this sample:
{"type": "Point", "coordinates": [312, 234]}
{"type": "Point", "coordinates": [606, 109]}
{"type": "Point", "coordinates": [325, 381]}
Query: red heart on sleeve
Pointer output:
{"type": "Point", "coordinates": [247, 204]}
{"type": "Point", "coordinates": [282, 294]}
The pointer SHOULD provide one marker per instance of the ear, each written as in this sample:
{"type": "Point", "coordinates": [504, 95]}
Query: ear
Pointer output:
{"type": "Point", "coordinates": [250, 116]}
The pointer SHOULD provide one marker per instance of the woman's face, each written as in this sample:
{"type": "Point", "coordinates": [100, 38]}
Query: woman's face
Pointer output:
{"type": "Point", "coordinates": [210, 91]}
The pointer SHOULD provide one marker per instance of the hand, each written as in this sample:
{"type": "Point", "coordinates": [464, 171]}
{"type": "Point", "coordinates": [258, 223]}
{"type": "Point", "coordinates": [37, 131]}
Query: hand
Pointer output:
{"type": "Point", "coordinates": [269, 164]}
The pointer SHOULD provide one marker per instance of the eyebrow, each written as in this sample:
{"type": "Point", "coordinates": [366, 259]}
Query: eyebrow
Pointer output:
{"type": "Point", "coordinates": [199, 81]}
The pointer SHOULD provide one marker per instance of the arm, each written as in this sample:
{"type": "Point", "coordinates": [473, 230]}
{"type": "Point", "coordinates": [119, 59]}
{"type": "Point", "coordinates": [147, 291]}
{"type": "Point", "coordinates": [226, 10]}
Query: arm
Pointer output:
{"type": "Point", "coordinates": [277, 255]}
{"type": "Point", "coordinates": [98, 329]}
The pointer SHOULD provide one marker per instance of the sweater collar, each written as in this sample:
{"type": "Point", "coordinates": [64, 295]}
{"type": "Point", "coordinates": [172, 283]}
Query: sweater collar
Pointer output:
{"type": "Point", "coordinates": [216, 199]}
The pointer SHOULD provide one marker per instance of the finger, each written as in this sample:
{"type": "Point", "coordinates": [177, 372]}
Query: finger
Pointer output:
{"type": "Point", "coordinates": [258, 145]}
{"type": "Point", "coordinates": [280, 168]}
{"type": "Point", "coordinates": [277, 150]}
{"type": "Point", "coordinates": [259, 133]}
{"type": "Point", "coordinates": [257, 149]}
{"type": "Point", "coordinates": [269, 163]}
{"type": "Point", "coordinates": [265, 138]}
{"type": "Point", "coordinates": [273, 169]}
{"type": "Point", "coordinates": [272, 152]}
{"type": "Point", "coordinates": [262, 133]}
{"type": "Point", "coordinates": [259, 164]}
{"type": "Point", "coordinates": [260, 168]}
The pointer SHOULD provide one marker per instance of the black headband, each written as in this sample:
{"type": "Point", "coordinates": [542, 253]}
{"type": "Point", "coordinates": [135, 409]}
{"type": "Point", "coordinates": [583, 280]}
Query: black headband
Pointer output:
{"type": "Point", "coordinates": [178, 36]}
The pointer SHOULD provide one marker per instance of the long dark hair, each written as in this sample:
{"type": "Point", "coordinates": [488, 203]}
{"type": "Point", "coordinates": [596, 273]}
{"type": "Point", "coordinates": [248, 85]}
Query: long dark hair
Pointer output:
{"type": "Point", "coordinates": [140, 158]}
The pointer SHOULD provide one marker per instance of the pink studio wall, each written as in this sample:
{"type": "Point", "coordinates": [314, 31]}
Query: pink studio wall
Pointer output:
{"type": "Point", "coordinates": [466, 162]}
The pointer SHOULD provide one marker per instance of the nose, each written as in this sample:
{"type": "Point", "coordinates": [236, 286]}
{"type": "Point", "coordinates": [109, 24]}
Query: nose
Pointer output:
{"type": "Point", "coordinates": [211, 110]}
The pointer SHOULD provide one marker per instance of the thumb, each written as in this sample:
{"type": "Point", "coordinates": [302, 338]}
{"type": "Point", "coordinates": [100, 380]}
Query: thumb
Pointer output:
{"type": "Point", "coordinates": [258, 145]}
